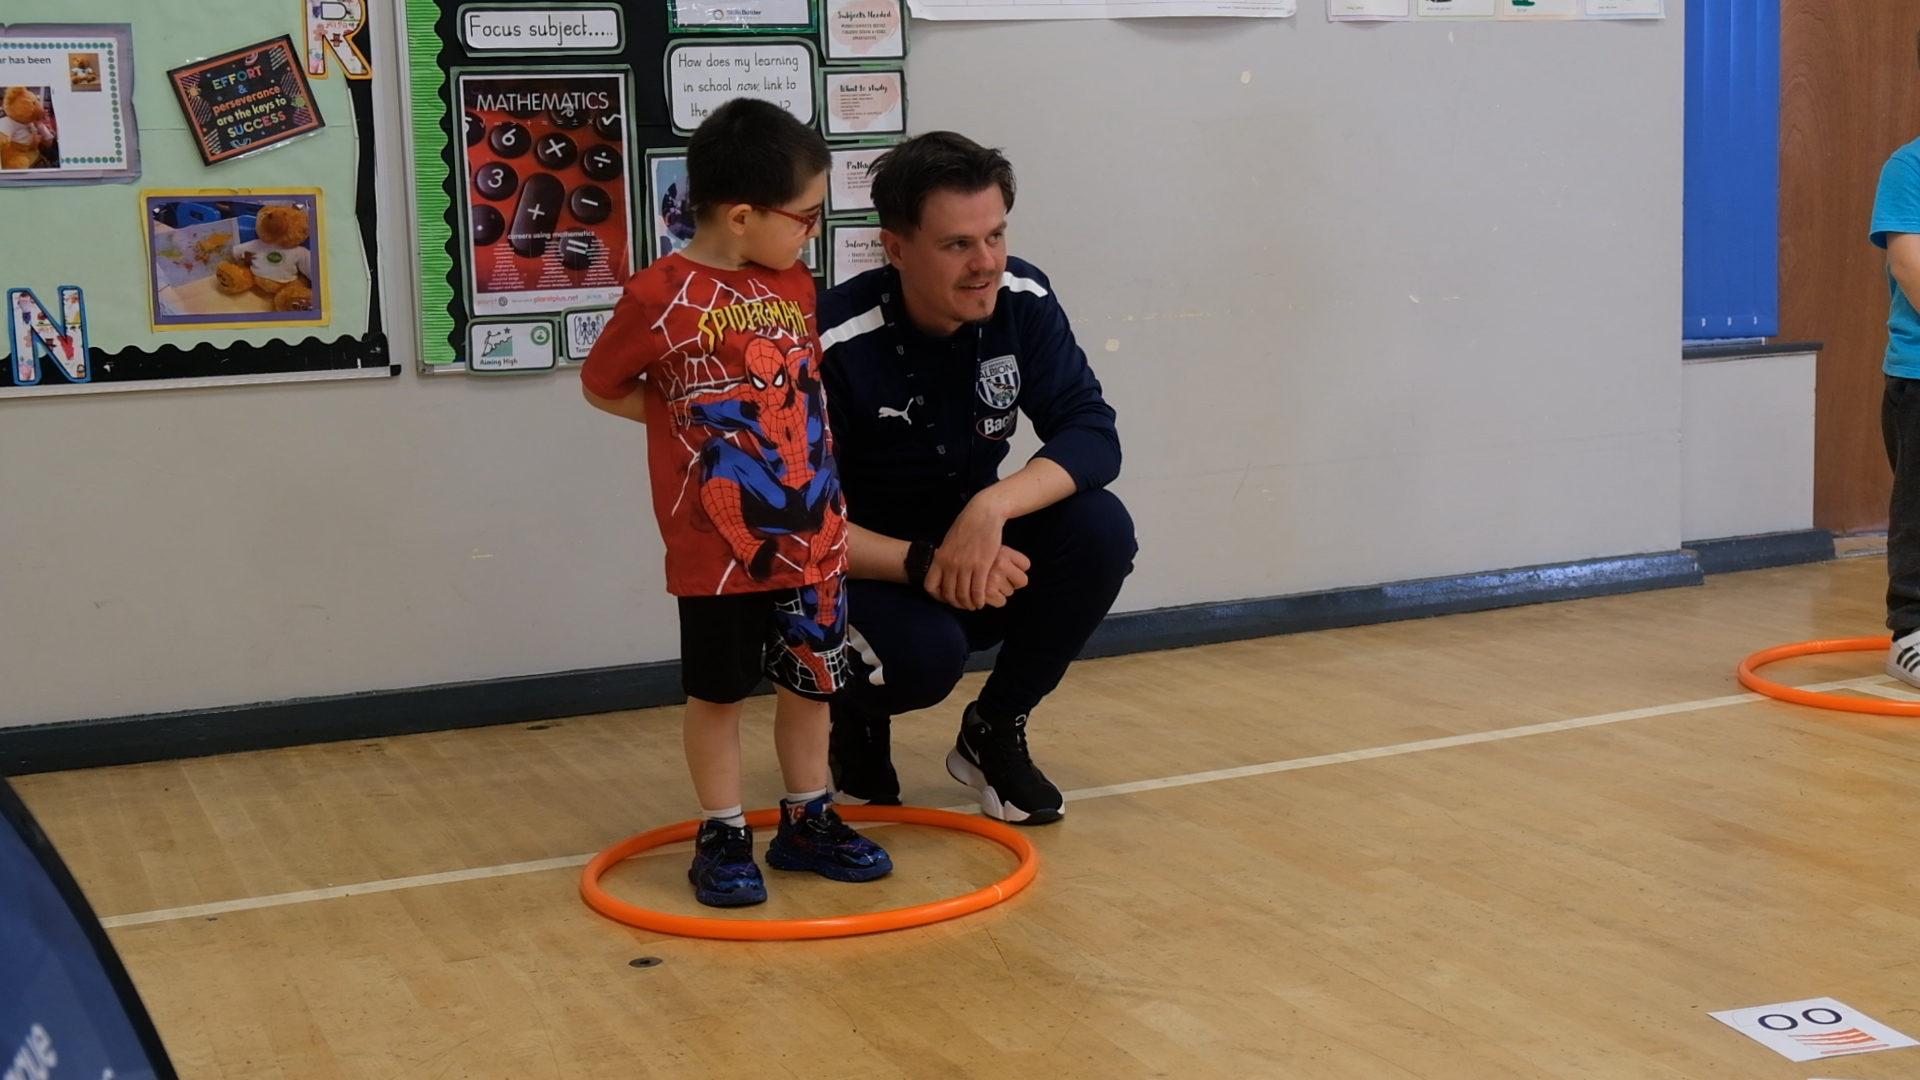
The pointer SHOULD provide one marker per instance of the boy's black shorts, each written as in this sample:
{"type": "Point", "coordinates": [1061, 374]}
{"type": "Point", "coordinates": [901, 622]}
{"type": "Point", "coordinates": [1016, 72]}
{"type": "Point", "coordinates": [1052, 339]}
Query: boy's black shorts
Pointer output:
{"type": "Point", "coordinates": [794, 637]}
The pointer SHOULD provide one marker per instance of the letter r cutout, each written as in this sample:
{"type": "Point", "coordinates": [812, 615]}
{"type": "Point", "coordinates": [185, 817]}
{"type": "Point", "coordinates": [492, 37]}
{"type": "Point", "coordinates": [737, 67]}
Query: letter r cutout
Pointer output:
{"type": "Point", "coordinates": [331, 25]}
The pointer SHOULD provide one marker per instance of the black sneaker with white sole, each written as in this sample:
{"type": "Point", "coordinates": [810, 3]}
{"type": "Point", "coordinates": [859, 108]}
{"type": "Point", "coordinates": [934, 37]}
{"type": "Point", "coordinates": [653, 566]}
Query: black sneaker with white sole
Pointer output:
{"type": "Point", "coordinates": [992, 759]}
{"type": "Point", "coordinates": [1903, 657]}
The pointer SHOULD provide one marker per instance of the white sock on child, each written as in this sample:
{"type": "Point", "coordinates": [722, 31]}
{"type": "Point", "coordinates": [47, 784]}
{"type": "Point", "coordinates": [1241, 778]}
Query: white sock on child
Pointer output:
{"type": "Point", "coordinates": [732, 815]}
{"type": "Point", "coordinates": [799, 797]}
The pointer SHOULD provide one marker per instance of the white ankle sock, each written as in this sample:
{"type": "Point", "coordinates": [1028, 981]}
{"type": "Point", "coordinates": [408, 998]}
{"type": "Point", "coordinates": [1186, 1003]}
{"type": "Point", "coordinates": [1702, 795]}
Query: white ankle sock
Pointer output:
{"type": "Point", "coordinates": [799, 797]}
{"type": "Point", "coordinates": [732, 815]}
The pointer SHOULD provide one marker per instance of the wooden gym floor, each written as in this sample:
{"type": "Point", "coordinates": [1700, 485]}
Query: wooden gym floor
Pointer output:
{"type": "Point", "coordinates": [1566, 903]}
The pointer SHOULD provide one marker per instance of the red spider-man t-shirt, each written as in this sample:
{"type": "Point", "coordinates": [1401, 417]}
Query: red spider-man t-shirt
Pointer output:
{"type": "Point", "coordinates": [738, 449]}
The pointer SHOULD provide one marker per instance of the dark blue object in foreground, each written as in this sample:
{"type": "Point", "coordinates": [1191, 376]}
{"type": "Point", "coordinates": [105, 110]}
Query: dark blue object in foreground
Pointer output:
{"type": "Point", "coordinates": [67, 1007]}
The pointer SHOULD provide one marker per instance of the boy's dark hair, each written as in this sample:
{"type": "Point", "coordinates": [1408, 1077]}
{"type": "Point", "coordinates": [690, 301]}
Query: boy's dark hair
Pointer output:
{"type": "Point", "coordinates": [904, 176]}
{"type": "Point", "coordinates": [750, 151]}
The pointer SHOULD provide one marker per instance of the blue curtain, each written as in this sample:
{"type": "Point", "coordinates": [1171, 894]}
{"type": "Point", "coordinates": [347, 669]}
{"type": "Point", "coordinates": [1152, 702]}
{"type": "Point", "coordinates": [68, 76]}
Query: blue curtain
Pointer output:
{"type": "Point", "coordinates": [1731, 279]}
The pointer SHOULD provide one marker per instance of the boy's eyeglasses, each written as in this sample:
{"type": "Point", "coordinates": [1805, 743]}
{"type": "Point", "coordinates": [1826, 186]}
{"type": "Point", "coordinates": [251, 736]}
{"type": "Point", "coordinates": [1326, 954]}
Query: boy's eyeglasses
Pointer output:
{"type": "Point", "coordinates": [809, 220]}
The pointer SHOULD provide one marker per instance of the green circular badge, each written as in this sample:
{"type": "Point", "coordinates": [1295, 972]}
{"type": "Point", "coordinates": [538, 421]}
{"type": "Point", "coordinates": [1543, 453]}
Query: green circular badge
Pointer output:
{"type": "Point", "coordinates": [539, 335]}
{"type": "Point", "coordinates": [275, 257]}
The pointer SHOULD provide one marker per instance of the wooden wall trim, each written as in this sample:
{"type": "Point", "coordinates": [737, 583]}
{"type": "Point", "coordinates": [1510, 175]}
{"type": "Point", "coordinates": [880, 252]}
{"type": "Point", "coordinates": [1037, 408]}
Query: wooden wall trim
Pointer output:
{"type": "Point", "coordinates": [1850, 96]}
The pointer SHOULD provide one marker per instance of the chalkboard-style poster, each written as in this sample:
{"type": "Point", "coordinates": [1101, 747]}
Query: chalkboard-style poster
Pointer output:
{"type": "Point", "coordinates": [246, 100]}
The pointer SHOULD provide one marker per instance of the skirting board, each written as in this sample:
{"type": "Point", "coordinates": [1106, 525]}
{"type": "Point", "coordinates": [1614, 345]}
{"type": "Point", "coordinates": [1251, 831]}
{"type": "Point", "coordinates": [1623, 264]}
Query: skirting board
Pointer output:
{"type": "Point", "coordinates": [524, 699]}
{"type": "Point", "coordinates": [1762, 551]}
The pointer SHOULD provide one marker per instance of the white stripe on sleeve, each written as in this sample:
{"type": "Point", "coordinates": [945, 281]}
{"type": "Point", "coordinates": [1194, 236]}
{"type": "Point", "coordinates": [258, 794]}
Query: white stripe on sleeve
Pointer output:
{"type": "Point", "coordinates": [871, 319]}
{"type": "Point", "coordinates": [1020, 284]}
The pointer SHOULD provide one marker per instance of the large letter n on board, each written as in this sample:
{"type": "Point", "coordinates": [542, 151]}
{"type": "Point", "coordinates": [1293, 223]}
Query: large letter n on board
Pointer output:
{"type": "Point", "coordinates": [36, 335]}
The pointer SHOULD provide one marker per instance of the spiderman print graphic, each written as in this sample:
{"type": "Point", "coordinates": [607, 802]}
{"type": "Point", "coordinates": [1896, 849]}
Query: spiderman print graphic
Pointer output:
{"type": "Point", "coordinates": [739, 453]}
{"type": "Point", "coordinates": [778, 488]}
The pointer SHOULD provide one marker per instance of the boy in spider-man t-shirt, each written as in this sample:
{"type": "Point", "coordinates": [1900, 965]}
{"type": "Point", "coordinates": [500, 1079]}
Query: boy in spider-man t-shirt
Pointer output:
{"type": "Point", "coordinates": [714, 350]}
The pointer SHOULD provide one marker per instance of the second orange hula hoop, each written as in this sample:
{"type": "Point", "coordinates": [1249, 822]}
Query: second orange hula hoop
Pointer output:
{"type": "Point", "coordinates": [1815, 698]}
{"type": "Point", "coordinates": [797, 929]}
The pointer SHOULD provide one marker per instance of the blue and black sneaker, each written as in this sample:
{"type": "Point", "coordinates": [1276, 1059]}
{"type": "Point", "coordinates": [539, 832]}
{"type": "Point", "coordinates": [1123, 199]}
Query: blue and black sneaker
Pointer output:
{"type": "Point", "coordinates": [723, 871]}
{"type": "Point", "coordinates": [812, 837]}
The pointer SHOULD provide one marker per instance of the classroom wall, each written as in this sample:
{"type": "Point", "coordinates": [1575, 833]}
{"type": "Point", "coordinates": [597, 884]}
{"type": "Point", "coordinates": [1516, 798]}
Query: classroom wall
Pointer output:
{"type": "Point", "coordinates": [1374, 303]}
{"type": "Point", "coordinates": [1391, 301]}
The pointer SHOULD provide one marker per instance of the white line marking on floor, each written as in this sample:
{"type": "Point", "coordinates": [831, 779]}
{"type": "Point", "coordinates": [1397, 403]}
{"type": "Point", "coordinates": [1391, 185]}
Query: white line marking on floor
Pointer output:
{"type": "Point", "coordinates": [389, 885]}
{"type": "Point", "coordinates": [1891, 691]}
{"type": "Point", "coordinates": [1868, 684]}
{"type": "Point", "coordinates": [1875, 684]}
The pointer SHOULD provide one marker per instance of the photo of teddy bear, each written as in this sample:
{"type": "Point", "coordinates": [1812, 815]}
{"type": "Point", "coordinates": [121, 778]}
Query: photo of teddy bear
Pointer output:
{"type": "Point", "coordinates": [276, 262]}
{"type": "Point", "coordinates": [83, 72]}
{"type": "Point", "coordinates": [221, 259]}
{"type": "Point", "coordinates": [28, 138]}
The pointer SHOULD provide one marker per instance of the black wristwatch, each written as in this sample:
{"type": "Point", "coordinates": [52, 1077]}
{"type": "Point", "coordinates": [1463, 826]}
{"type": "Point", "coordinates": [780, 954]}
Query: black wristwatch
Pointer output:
{"type": "Point", "coordinates": [919, 561]}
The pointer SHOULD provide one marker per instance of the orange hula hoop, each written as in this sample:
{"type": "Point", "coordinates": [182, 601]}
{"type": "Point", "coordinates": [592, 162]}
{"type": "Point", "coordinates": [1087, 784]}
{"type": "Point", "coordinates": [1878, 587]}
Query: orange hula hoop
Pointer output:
{"type": "Point", "coordinates": [1814, 698]}
{"type": "Point", "coordinates": [798, 929]}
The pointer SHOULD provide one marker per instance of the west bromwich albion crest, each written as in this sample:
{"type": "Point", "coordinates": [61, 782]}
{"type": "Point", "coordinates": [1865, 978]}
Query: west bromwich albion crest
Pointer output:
{"type": "Point", "coordinates": [999, 382]}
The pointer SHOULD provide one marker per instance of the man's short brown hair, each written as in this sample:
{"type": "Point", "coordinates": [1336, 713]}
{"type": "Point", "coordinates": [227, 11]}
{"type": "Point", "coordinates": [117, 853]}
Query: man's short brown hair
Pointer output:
{"type": "Point", "coordinates": [904, 176]}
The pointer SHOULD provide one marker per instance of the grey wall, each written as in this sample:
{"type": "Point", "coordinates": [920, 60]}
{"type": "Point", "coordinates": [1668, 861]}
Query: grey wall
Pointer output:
{"type": "Point", "coordinates": [1400, 301]}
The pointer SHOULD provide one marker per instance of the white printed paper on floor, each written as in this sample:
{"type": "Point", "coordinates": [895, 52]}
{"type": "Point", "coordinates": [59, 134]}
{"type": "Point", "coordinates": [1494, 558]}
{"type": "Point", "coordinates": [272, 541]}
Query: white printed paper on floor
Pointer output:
{"type": "Point", "coordinates": [1369, 10]}
{"type": "Point", "coordinates": [1813, 1029]}
{"type": "Point", "coordinates": [1098, 9]}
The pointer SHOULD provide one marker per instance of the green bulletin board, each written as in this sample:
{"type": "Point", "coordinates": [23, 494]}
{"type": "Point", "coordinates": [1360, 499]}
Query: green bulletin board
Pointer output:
{"type": "Point", "coordinates": [134, 248]}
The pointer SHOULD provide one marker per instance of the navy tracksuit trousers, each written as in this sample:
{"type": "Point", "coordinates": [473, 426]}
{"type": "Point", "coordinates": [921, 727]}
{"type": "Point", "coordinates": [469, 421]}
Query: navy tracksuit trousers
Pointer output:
{"type": "Point", "coordinates": [913, 648]}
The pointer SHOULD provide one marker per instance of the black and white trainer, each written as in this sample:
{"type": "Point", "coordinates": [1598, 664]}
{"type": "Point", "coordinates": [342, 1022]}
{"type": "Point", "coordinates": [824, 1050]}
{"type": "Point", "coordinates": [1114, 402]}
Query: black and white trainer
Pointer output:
{"type": "Point", "coordinates": [1903, 657]}
{"type": "Point", "coordinates": [992, 759]}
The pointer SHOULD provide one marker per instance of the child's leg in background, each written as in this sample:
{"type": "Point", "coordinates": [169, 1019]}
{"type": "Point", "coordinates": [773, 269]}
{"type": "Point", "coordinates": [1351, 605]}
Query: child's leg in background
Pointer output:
{"type": "Point", "coordinates": [800, 729]}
